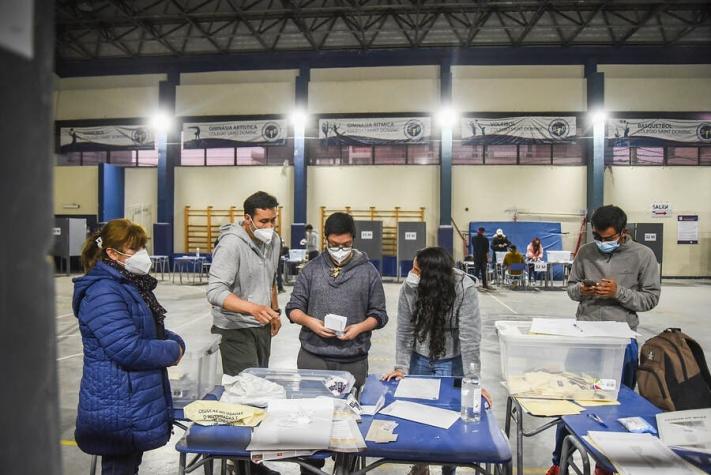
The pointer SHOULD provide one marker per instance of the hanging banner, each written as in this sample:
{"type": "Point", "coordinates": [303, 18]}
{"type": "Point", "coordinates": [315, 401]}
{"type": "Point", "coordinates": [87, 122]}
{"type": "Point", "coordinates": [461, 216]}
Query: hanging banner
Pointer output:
{"type": "Point", "coordinates": [375, 131]}
{"type": "Point", "coordinates": [517, 130]}
{"type": "Point", "coordinates": [652, 132]}
{"type": "Point", "coordinates": [687, 229]}
{"type": "Point", "coordinates": [234, 133]}
{"type": "Point", "coordinates": [105, 137]}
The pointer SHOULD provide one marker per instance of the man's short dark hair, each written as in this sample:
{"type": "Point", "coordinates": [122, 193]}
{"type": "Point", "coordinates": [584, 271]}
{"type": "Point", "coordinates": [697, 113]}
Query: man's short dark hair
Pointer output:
{"type": "Point", "coordinates": [512, 247]}
{"type": "Point", "coordinates": [481, 230]}
{"type": "Point", "coordinates": [259, 200]}
{"type": "Point", "coordinates": [308, 228]}
{"type": "Point", "coordinates": [340, 223]}
{"type": "Point", "coordinates": [609, 216]}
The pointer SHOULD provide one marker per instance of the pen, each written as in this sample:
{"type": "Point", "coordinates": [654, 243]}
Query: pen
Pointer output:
{"type": "Point", "coordinates": [597, 419]}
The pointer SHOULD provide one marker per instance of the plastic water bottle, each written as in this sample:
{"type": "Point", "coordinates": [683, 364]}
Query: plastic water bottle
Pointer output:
{"type": "Point", "coordinates": [471, 396]}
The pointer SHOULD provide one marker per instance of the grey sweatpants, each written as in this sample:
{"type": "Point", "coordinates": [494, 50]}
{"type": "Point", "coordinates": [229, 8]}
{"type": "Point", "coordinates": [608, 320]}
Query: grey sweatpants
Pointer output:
{"type": "Point", "coordinates": [244, 348]}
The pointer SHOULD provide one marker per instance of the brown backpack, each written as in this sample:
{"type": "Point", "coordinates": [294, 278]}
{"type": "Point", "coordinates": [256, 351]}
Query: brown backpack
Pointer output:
{"type": "Point", "coordinates": [673, 374]}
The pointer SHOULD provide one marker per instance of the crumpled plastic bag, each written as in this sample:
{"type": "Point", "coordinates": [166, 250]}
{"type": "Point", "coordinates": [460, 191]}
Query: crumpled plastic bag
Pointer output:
{"type": "Point", "coordinates": [212, 413]}
{"type": "Point", "coordinates": [251, 390]}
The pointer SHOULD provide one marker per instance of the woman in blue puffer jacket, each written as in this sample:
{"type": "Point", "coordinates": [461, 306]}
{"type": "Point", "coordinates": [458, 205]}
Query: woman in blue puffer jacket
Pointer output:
{"type": "Point", "coordinates": [125, 407]}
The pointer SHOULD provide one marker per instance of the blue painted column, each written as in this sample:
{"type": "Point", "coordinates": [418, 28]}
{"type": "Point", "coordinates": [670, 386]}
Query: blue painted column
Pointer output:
{"type": "Point", "coordinates": [300, 159]}
{"type": "Point", "coordinates": [595, 148]}
{"type": "Point", "coordinates": [111, 192]}
{"type": "Point", "coordinates": [168, 144]}
{"type": "Point", "coordinates": [445, 231]}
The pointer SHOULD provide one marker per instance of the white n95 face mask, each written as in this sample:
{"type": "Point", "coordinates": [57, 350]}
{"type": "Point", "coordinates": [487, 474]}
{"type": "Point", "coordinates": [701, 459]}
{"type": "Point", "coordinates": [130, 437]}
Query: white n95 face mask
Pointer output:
{"type": "Point", "coordinates": [413, 279]}
{"type": "Point", "coordinates": [264, 234]}
{"type": "Point", "coordinates": [340, 254]}
{"type": "Point", "coordinates": [139, 263]}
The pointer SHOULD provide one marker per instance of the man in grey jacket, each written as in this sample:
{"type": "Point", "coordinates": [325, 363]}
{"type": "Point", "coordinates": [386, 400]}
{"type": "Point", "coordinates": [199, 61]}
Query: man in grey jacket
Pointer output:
{"type": "Point", "coordinates": [241, 286]}
{"type": "Point", "coordinates": [613, 278]}
{"type": "Point", "coordinates": [343, 282]}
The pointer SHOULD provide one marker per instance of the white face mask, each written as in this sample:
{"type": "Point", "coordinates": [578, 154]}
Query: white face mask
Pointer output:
{"type": "Point", "coordinates": [340, 254]}
{"type": "Point", "coordinates": [139, 263]}
{"type": "Point", "coordinates": [413, 279]}
{"type": "Point", "coordinates": [263, 234]}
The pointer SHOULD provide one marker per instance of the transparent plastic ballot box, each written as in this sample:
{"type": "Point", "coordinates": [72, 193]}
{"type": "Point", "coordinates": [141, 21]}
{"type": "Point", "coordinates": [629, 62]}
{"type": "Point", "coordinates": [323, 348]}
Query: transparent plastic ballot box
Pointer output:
{"type": "Point", "coordinates": [559, 367]}
{"type": "Point", "coordinates": [306, 383]}
{"type": "Point", "coordinates": [198, 371]}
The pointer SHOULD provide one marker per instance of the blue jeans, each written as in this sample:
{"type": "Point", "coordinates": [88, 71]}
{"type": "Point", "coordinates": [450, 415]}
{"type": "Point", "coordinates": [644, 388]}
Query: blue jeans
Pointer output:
{"type": "Point", "coordinates": [424, 366]}
{"type": "Point", "coordinates": [125, 464]}
{"type": "Point", "coordinates": [629, 379]}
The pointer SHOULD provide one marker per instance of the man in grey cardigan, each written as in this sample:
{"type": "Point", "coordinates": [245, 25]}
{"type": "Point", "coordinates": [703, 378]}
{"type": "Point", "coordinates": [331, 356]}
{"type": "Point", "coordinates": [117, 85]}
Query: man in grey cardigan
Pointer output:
{"type": "Point", "coordinates": [343, 282]}
{"type": "Point", "coordinates": [241, 287]}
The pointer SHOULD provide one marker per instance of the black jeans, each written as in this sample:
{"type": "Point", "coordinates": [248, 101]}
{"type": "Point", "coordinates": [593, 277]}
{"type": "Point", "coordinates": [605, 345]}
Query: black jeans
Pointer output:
{"type": "Point", "coordinates": [124, 464]}
{"type": "Point", "coordinates": [481, 269]}
{"type": "Point", "coordinates": [244, 348]}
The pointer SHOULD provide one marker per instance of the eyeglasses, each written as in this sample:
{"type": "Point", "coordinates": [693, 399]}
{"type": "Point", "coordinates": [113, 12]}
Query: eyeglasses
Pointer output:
{"type": "Point", "coordinates": [614, 237]}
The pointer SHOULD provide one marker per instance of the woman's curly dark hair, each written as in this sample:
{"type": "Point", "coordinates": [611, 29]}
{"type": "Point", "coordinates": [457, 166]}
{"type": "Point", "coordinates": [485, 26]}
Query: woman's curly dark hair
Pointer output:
{"type": "Point", "coordinates": [435, 297]}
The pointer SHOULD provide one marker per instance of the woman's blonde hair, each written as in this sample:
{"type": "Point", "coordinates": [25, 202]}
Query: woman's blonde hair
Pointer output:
{"type": "Point", "coordinates": [118, 234]}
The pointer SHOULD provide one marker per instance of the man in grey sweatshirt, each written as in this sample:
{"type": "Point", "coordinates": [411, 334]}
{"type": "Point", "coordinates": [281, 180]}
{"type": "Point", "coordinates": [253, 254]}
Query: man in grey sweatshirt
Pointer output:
{"type": "Point", "coordinates": [343, 282]}
{"type": "Point", "coordinates": [613, 278]}
{"type": "Point", "coordinates": [241, 287]}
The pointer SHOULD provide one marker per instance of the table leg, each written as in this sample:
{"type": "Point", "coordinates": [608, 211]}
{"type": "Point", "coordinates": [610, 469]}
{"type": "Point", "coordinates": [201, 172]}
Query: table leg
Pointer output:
{"type": "Point", "coordinates": [181, 463]}
{"type": "Point", "coordinates": [507, 425]}
{"type": "Point", "coordinates": [570, 446]}
{"type": "Point", "coordinates": [94, 459]}
{"type": "Point", "coordinates": [223, 467]}
{"type": "Point", "coordinates": [208, 466]}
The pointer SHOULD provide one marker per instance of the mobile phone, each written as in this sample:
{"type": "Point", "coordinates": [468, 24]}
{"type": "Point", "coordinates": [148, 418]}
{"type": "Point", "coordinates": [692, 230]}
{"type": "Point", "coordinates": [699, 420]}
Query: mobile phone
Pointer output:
{"type": "Point", "coordinates": [589, 283]}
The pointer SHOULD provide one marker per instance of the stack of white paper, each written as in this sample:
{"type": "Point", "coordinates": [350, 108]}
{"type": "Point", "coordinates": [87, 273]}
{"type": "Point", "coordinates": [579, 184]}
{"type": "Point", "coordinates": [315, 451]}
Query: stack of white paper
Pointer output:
{"type": "Point", "coordinates": [689, 430]}
{"type": "Point", "coordinates": [418, 388]}
{"type": "Point", "coordinates": [640, 454]}
{"type": "Point", "coordinates": [295, 424]}
{"type": "Point", "coordinates": [582, 329]}
{"type": "Point", "coordinates": [411, 411]}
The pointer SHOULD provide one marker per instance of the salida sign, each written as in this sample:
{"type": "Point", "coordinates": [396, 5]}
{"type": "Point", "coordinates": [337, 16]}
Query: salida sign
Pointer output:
{"type": "Point", "coordinates": [661, 209]}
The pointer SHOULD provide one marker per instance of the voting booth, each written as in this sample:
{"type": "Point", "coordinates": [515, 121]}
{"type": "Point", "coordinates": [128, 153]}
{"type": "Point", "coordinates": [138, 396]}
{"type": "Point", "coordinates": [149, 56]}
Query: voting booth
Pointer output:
{"type": "Point", "coordinates": [69, 237]}
{"type": "Point", "coordinates": [411, 237]}
{"type": "Point", "coordinates": [369, 239]}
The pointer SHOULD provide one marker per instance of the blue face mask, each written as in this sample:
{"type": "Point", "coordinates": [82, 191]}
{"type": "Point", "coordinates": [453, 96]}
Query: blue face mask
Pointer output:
{"type": "Point", "coordinates": [607, 247]}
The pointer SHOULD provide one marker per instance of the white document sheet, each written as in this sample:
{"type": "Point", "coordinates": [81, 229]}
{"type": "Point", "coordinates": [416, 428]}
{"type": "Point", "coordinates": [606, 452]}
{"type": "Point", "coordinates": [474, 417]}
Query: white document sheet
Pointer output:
{"type": "Point", "coordinates": [418, 388]}
{"type": "Point", "coordinates": [346, 437]}
{"type": "Point", "coordinates": [412, 411]}
{"type": "Point", "coordinates": [640, 454]}
{"type": "Point", "coordinates": [689, 430]}
{"type": "Point", "coordinates": [571, 327]}
{"type": "Point", "coordinates": [334, 322]}
{"type": "Point", "coordinates": [373, 410]}
{"type": "Point", "coordinates": [294, 424]}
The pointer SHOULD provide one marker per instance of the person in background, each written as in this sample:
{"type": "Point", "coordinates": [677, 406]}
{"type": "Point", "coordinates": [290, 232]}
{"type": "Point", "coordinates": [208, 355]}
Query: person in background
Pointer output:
{"type": "Point", "coordinates": [125, 404]}
{"type": "Point", "coordinates": [341, 281]}
{"type": "Point", "coordinates": [284, 253]}
{"type": "Point", "coordinates": [480, 245]}
{"type": "Point", "coordinates": [499, 243]}
{"type": "Point", "coordinates": [438, 323]}
{"type": "Point", "coordinates": [312, 242]}
{"type": "Point", "coordinates": [534, 253]}
{"type": "Point", "coordinates": [513, 257]}
{"type": "Point", "coordinates": [612, 278]}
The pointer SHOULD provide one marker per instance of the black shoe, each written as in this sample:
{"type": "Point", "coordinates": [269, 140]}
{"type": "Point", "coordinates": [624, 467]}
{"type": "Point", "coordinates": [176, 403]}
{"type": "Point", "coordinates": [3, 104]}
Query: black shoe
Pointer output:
{"type": "Point", "coordinates": [261, 469]}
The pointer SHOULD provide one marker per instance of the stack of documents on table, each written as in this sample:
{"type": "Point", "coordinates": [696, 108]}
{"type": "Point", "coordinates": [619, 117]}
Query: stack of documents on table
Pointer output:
{"type": "Point", "coordinates": [549, 407]}
{"type": "Point", "coordinates": [418, 388]}
{"type": "Point", "coordinates": [412, 411]}
{"type": "Point", "coordinates": [640, 454]}
{"type": "Point", "coordinates": [544, 384]}
{"type": "Point", "coordinates": [581, 329]}
{"type": "Point", "coordinates": [381, 432]}
{"type": "Point", "coordinates": [297, 427]}
{"type": "Point", "coordinates": [687, 430]}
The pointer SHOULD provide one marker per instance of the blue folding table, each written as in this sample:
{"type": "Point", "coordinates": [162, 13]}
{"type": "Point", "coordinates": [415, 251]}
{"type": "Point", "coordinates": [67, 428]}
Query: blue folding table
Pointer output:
{"type": "Point", "coordinates": [481, 446]}
{"type": "Point", "coordinates": [631, 405]}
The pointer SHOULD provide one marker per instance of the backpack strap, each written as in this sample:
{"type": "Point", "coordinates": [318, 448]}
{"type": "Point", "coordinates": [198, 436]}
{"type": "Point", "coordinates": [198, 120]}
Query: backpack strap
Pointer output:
{"type": "Point", "coordinates": [698, 353]}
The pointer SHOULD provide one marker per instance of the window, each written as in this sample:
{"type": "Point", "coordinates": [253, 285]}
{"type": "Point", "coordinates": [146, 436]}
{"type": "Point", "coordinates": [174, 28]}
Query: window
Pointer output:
{"type": "Point", "coordinates": [535, 154]}
{"type": "Point", "coordinates": [683, 156]}
{"type": "Point", "coordinates": [390, 155]}
{"type": "Point", "coordinates": [568, 154]}
{"type": "Point", "coordinates": [467, 154]}
{"type": "Point", "coordinates": [647, 156]}
{"type": "Point", "coordinates": [357, 155]}
{"type": "Point", "coordinates": [705, 155]}
{"type": "Point", "coordinates": [425, 154]}
{"type": "Point", "coordinates": [93, 158]}
{"type": "Point", "coordinates": [125, 158]}
{"type": "Point", "coordinates": [501, 155]}
{"type": "Point", "coordinates": [247, 156]}
{"type": "Point", "coordinates": [220, 156]}
{"type": "Point", "coordinates": [148, 158]}
{"type": "Point", "coordinates": [620, 156]}
{"type": "Point", "coordinates": [281, 154]}
{"type": "Point", "coordinates": [69, 159]}
{"type": "Point", "coordinates": [192, 157]}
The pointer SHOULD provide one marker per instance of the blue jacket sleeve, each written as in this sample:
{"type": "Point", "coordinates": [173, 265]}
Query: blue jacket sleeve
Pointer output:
{"type": "Point", "coordinates": [107, 316]}
{"type": "Point", "coordinates": [176, 338]}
